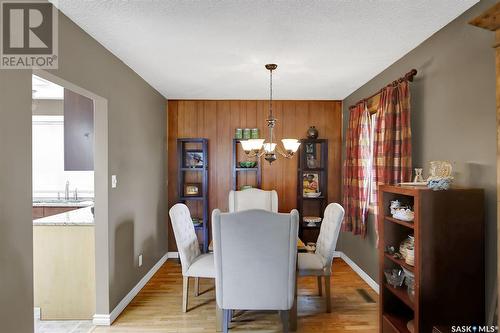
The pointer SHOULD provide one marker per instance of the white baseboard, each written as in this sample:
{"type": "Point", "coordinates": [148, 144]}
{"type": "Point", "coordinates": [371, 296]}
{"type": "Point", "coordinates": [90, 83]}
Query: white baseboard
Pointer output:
{"type": "Point", "coordinates": [374, 285]}
{"type": "Point", "coordinates": [37, 313]}
{"type": "Point", "coordinates": [101, 320]}
{"type": "Point", "coordinates": [173, 255]}
{"type": "Point", "coordinates": [336, 254]}
{"type": "Point", "coordinates": [108, 319]}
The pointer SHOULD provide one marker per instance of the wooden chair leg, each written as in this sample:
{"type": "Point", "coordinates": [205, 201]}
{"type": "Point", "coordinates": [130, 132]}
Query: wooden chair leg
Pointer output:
{"type": "Point", "coordinates": [328, 295]}
{"type": "Point", "coordinates": [196, 286]}
{"type": "Point", "coordinates": [320, 286]}
{"type": "Point", "coordinates": [185, 289]}
{"type": "Point", "coordinates": [285, 320]}
{"type": "Point", "coordinates": [226, 320]}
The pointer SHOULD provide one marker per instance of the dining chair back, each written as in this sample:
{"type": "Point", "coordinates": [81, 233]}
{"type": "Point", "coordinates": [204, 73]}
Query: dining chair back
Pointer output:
{"type": "Point", "coordinates": [255, 253]}
{"type": "Point", "coordinates": [253, 198]}
{"type": "Point", "coordinates": [319, 263]}
{"type": "Point", "coordinates": [185, 235]}
{"type": "Point", "coordinates": [194, 264]}
{"type": "Point", "coordinates": [329, 233]}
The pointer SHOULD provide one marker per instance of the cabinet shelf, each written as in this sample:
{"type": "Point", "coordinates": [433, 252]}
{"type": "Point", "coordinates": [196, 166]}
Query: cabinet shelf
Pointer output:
{"type": "Point", "coordinates": [397, 322]}
{"type": "Point", "coordinates": [400, 262]}
{"type": "Point", "coordinates": [191, 198]}
{"type": "Point", "coordinates": [312, 169]}
{"type": "Point", "coordinates": [410, 225]}
{"type": "Point", "coordinates": [247, 169]}
{"type": "Point", "coordinates": [193, 169]}
{"type": "Point", "coordinates": [318, 198]}
{"type": "Point", "coordinates": [402, 294]}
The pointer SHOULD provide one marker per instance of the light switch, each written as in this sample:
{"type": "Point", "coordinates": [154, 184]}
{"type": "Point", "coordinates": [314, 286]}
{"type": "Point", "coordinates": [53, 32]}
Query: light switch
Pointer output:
{"type": "Point", "coordinates": [140, 260]}
{"type": "Point", "coordinates": [114, 181]}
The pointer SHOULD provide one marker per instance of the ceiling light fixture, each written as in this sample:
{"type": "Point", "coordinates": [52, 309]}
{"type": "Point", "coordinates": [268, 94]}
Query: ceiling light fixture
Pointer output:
{"type": "Point", "coordinates": [258, 147]}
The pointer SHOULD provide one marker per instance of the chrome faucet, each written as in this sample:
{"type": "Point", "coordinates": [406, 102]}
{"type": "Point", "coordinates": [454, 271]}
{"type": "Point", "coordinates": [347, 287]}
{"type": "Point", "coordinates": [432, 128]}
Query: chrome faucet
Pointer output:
{"type": "Point", "coordinates": [66, 191]}
{"type": "Point", "coordinates": [75, 196]}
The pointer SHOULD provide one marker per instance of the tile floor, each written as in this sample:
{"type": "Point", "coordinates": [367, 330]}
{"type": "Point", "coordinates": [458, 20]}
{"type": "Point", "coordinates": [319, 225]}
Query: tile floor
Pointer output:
{"type": "Point", "coordinates": [67, 326]}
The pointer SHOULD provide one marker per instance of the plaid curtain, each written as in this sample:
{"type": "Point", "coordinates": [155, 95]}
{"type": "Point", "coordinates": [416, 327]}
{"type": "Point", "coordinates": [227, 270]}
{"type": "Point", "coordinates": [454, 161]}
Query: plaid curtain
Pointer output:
{"type": "Point", "coordinates": [357, 170]}
{"type": "Point", "coordinates": [392, 138]}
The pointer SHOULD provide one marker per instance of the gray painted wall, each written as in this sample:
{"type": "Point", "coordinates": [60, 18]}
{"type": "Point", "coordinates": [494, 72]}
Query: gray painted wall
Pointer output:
{"type": "Point", "coordinates": [453, 118]}
{"type": "Point", "coordinates": [136, 154]}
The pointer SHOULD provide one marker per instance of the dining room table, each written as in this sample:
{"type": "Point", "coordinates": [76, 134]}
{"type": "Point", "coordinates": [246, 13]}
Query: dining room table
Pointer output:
{"type": "Point", "coordinates": [301, 247]}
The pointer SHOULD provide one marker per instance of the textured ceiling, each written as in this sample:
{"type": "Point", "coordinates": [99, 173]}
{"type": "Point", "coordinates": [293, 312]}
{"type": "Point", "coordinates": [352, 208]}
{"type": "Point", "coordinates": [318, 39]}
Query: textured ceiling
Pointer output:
{"type": "Point", "coordinates": [217, 49]}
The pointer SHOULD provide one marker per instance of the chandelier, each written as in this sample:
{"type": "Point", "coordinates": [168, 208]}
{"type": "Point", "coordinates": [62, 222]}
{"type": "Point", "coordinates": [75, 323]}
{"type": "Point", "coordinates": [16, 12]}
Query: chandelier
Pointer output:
{"type": "Point", "coordinates": [270, 150]}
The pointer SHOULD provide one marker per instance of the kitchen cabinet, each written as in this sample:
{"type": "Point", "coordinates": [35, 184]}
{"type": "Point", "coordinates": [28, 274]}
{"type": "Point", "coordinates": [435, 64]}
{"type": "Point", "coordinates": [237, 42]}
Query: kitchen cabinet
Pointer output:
{"type": "Point", "coordinates": [78, 132]}
{"type": "Point", "coordinates": [39, 212]}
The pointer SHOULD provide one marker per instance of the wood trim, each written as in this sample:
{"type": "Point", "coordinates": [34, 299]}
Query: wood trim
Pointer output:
{"type": "Point", "coordinates": [217, 120]}
{"type": "Point", "coordinates": [490, 20]}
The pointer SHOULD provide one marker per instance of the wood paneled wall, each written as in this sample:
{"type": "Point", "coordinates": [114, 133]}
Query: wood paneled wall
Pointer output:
{"type": "Point", "coordinates": [217, 120]}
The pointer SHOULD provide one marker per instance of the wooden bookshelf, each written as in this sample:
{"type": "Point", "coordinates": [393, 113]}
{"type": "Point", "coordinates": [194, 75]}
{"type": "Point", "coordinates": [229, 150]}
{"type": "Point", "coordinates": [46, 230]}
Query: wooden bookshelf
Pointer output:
{"type": "Point", "coordinates": [449, 258]}
{"type": "Point", "coordinates": [238, 156]}
{"type": "Point", "coordinates": [198, 205]}
{"type": "Point", "coordinates": [312, 206]}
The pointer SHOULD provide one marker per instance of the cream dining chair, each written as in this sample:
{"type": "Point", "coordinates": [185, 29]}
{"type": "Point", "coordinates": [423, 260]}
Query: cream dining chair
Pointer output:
{"type": "Point", "coordinates": [320, 263]}
{"type": "Point", "coordinates": [255, 254]}
{"type": "Point", "coordinates": [193, 262]}
{"type": "Point", "coordinates": [253, 198]}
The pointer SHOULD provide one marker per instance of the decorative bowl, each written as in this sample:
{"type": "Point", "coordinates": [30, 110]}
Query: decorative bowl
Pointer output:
{"type": "Point", "coordinates": [440, 183]}
{"type": "Point", "coordinates": [394, 277]}
{"type": "Point", "coordinates": [403, 214]}
{"type": "Point", "coordinates": [312, 220]}
{"type": "Point", "coordinates": [248, 164]}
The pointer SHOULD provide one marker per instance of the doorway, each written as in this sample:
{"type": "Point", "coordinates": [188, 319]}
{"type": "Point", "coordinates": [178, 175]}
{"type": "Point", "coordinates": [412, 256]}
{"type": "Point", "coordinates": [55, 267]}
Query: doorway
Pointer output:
{"type": "Point", "coordinates": [82, 140]}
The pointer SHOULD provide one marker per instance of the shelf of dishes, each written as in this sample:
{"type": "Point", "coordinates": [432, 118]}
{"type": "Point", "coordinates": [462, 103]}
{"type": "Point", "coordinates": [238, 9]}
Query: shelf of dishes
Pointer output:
{"type": "Point", "coordinates": [401, 283]}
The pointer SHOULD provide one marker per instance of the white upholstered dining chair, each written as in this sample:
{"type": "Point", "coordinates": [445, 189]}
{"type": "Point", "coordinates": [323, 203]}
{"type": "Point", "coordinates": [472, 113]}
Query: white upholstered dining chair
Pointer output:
{"type": "Point", "coordinates": [193, 262]}
{"type": "Point", "coordinates": [253, 198]}
{"type": "Point", "coordinates": [320, 263]}
{"type": "Point", "coordinates": [255, 253]}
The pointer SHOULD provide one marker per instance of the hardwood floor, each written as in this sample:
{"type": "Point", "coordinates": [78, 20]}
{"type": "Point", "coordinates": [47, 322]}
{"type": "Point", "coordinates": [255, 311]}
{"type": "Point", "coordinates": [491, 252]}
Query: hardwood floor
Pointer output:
{"type": "Point", "coordinates": [157, 308]}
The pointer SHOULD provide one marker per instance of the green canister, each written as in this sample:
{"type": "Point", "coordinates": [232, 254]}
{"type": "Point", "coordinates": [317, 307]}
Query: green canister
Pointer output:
{"type": "Point", "coordinates": [246, 133]}
{"type": "Point", "coordinates": [255, 133]}
{"type": "Point", "coordinates": [238, 133]}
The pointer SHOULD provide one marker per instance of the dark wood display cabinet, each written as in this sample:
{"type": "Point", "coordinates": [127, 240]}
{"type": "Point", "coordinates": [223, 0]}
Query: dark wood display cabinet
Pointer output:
{"type": "Point", "coordinates": [312, 175]}
{"type": "Point", "coordinates": [192, 182]}
{"type": "Point", "coordinates": [244, 176]}
{"type": "Point", "coordinates": [448, 230]}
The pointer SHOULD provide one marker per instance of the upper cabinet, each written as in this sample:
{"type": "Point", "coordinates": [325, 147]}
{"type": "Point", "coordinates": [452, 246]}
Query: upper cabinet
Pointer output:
{"type": "Point", "coordinates": [78, 132]}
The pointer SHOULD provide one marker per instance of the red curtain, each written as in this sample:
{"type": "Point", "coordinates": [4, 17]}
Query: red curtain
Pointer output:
{"type": "Point", "coordinates": [357, 170]}
{"type": "Point", "coordinates": [391, 160]}
{"type": "Point", "coordinates": [392, 137]}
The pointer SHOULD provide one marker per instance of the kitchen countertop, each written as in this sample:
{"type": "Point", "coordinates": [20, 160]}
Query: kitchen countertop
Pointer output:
{"type": "Point", "coordinates": [61, 203]}
{"type": "Point", "coordinates": [78, 217]}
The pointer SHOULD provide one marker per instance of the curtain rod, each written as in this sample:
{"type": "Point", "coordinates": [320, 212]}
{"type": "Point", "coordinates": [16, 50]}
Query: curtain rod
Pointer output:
{"type": "Point", "coordinates": [407, 77]}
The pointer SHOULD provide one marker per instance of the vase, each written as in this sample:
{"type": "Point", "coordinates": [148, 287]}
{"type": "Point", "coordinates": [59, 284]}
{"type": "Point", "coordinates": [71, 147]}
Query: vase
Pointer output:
{"type": "Point", "coordinates": [418, 175]}
{"type": "Point", "coordinates": [312, 133]}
